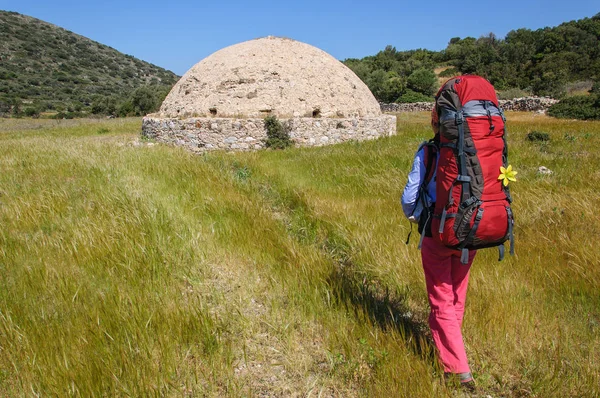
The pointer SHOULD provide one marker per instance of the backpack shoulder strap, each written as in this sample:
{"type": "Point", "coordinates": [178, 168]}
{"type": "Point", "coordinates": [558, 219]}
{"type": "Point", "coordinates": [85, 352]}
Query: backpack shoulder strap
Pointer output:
{"type": "Point", "coordinates": [430, 151]}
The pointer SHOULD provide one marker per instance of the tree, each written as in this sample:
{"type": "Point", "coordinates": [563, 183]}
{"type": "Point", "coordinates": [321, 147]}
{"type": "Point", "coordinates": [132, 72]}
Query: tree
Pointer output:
{"type": "Point", "coordinates": [393, 88]}
{"type": "Point", "coordinates": [375, 82]}
{"type": "Point", "coordinates": [145, 100]}
{"type": "Point", "coordinates": [125, 109]}
{"type": "Point", "coordinates": [386, 59]}
{"type": "Point", "coordinates": [423, 81]}
{"type": "Point", "coordinates": [541, 61]}
{"type": "Point", "coordinates": [104, 106]}
{"type": "Point", "coordinates": [359, 67]}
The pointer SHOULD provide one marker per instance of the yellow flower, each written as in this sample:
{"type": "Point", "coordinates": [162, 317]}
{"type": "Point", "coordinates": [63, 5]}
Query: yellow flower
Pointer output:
{"type": "Point", "coordinates": [507, 174]}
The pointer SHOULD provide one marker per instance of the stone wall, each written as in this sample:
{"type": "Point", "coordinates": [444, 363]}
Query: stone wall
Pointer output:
{"type": "Point", "coordinates": [412, 107]}
{"type": "Point", "coordinates": [526, 104]}
{"type": "Point", "coordinates": [200, 134]}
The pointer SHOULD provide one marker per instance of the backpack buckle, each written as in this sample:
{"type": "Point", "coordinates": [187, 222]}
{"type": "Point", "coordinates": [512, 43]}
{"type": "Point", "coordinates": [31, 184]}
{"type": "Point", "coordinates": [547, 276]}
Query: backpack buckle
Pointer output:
{"type": "Point", "coordinates": [469, 202]}
{"type": "Point", "coordinates": [459, 118]}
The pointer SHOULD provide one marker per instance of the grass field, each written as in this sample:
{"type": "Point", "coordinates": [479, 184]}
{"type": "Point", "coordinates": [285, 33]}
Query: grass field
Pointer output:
{"type": "Point", "coordinates": [134, 269]}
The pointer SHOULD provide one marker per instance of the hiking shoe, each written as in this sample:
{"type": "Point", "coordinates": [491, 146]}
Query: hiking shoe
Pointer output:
{"type": "Point", "coordinates": [469, 385]}
{"type": "Point", "coordinates": [465, 380]}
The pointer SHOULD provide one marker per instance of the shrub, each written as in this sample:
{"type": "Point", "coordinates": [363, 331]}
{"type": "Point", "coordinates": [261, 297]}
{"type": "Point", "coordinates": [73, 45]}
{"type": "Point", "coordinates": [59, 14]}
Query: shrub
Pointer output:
{"type": "Point", "coordinates": [585, 107]}
{"type": "Point", "coordinates": [144, 100]}
{"type": "Point", "coordinates": [411, 96]}
{"type": "Point", "coordinates": [278, 134]}
{"type": "Point", "coordinates": [125, 109]}
{"type": "Point", "coordinates": [393, 87]}
{"type": "Point", "coordinates": [104, 106]}
{"type": "Point", "coordinates": [31, 112]}
{"type": "Point", "coordinates": [538, 136]}
{"type": "Point", "coordinates": [423, 81]}
{"type": "Point", "coordinates": [450, 72]}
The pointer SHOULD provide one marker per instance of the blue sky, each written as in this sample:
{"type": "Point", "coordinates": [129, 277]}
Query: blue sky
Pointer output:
{"type": "Point", "coordinates": [177, 34]}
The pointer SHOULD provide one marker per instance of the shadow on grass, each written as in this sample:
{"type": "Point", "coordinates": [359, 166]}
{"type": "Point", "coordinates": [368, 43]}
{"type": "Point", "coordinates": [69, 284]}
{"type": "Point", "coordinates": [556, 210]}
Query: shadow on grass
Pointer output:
{"type": "Point", "coordinates": [376, 304]}
{"type": "Point", "coordinates": [364, 298]}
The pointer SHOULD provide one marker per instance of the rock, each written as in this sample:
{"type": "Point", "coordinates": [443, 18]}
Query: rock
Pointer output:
{"type": "Point", "coordinates": [543, 170]}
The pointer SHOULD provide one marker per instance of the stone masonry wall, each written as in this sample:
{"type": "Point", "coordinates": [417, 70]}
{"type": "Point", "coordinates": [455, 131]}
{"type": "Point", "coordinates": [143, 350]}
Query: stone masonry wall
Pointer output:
{"type": "Point", "coordinates": [411, 107]}
{"type": "Point", "coordinates": [526, 104]}
{"type": "Point", "coordinates": [200, 134]}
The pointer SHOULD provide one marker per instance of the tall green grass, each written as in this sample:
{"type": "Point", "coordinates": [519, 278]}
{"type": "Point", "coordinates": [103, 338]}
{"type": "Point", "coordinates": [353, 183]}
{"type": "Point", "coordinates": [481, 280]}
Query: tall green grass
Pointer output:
{"type": "Point", "coordinates": [131, 269]}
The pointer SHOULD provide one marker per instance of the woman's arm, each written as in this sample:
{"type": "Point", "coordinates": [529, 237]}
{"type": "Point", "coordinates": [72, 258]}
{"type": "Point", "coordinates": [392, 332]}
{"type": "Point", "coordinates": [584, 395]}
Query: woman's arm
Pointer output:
{"type": "Point", "coordinates": [415, 179]}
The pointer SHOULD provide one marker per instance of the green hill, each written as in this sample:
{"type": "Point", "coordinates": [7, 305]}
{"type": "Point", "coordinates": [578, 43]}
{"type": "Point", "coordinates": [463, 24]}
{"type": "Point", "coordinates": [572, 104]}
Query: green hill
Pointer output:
{"type": "Point", "coordinates": [551, 61]}
{"type": "Point", "coordinates": [46, 67]}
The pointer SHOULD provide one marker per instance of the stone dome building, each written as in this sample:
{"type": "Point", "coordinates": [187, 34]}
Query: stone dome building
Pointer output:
{"type": "Point", "coordinates": [221, 101]}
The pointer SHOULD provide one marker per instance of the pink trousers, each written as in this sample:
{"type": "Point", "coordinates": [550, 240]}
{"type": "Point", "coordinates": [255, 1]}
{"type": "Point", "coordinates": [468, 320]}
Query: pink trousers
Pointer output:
{"type": "Point", "coordinates": [446, 279]}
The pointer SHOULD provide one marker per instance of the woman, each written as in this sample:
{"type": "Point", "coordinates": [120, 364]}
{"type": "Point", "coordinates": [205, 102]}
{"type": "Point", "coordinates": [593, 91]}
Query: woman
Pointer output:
{"type": "Point", "coordinates": [446, 277]}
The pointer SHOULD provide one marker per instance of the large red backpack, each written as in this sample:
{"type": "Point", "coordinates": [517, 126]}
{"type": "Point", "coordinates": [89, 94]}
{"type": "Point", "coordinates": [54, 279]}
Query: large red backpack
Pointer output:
{"type": "Point", "coordinates": [472, 209]}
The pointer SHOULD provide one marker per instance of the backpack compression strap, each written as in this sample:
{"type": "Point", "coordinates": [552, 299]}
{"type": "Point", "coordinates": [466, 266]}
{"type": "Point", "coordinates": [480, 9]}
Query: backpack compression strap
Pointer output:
{"type": "Point", "coordinates": [462, 177]}
{"type": "Point", "coordinates": [511, 218]}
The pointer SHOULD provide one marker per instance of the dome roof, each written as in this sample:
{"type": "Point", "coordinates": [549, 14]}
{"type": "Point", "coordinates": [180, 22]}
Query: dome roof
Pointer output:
{"type": "Point", "coordinates": [270, 76]}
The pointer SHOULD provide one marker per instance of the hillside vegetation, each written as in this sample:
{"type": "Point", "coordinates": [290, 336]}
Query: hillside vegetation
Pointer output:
{"type": "Point", "coordinates": [131, 269]}
{"type": "Point", "coordinates": [551, 61]}
{"type": "Point", "coordinates": [44, 67]}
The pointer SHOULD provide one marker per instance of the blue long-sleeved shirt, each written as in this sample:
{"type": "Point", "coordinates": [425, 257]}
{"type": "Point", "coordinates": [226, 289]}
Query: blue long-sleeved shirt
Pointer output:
{"type": "Point", "coordinates": [411, 208]}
